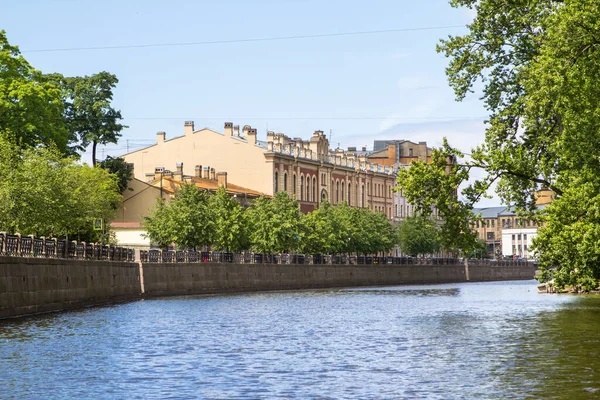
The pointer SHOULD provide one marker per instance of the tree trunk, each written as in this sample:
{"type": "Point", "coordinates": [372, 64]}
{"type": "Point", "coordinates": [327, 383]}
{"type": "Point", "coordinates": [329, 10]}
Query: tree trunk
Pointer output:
{"type": "Point", "coordinates": [94, 144]}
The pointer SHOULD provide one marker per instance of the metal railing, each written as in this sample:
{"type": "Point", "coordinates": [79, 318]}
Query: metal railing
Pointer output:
{"type": "Point", "coordinates": [30, 246]}
{"type": "Point", "coordinates": [192, 256]}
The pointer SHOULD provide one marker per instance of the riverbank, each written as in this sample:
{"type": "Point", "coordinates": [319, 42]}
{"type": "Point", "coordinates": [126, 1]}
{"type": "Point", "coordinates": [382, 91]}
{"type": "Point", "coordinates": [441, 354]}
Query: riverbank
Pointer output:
{"type": "Point", "coordinates": [36, 285]}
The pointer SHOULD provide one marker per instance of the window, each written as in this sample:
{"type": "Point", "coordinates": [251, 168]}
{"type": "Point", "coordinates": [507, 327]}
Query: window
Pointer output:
{"type": "Point", "coordinates": [524, 236]}
{"type": "Point", "coordinates": [349, 197]}
{"type": "Point", "coordinates": [519, 236]}
{"type": "Point", "coordinates": [301, 187]}
{"type": "Point", "coordinates": [276, 183]}
{"type": "Point", "coordinates": [513, 237]}
{"type": "Point", "coordinates": [314, 190]}
{"type": "Point", "coordinates": [487, 223]}
{"type": "Point", "coordinates": [490, 236]}
{"type": "Point", "coordinates": [343, 191]}
{"type": "Point", "coordinates": [477, 224]}
{"type": "Point", "coordinates": [395, 210]}
{"type": "Point", "coordinates": [337, 192]}
{"type": "Point", "coordinates": [493, 223]}
{"type": "Point", "coordinates": [410, 152]}
{"type": "Point", "coordinates": [362, 196]}
{"type": "Point", "coordinates": [525, 247]}
{"type": "Point", "coordinates": [285, 181]}
{"type": "Point", "coordinates": [295, 183]}
{"type": "Point", "coordinates": [307, 188]}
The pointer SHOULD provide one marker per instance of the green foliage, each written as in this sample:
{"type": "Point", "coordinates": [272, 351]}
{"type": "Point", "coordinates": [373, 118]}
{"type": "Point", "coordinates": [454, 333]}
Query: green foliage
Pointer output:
{"type": "Point", "coordinates": [48, 195]}
{"type": "Point", "coordinates": [31, 109]}
{"type": "Point", "coordinates": [187, 221]}
{"type": "Point", "coordinates": [229, 222]}
{"type": "Point", "coordinates": [274, 224]}
{"type": "Point", "coordinates": [89, 116]}
{"type": "Point", "coordinates": [341, 229]}
{"type": "Point", "coordinates": [537, 62]}
{"type": "Point", "coordinates": [418, 235]}
{"type": "Point", "coordinates": [121, 169]}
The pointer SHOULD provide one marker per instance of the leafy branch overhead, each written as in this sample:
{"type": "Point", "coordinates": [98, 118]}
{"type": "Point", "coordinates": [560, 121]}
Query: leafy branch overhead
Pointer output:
{"type": "Point", "coordinates": [537, 65]}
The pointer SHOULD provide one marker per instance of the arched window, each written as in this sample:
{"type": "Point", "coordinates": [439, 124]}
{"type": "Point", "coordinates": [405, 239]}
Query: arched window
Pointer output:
{"type": "Point", "coordinates": [362, 196]}
{"type": "Point", "coordinates": [276, 183]}
{"type": "Point", "coordinates": [307, 188]}
{"type": "Point", "coordinates": [343, 184]}
{"type": "Point", "coordinates": [301, 187]}
{"type": "Point", "coordinates": [314, 189]}
{"type": "Point", "coordinates": [285, 181]}
{"type": "Point", "coordinates": [349, 197]}
{"type": "Point", "coordinates": [295, 183]}
{"type": "Point", "coordinates": [337, 192]}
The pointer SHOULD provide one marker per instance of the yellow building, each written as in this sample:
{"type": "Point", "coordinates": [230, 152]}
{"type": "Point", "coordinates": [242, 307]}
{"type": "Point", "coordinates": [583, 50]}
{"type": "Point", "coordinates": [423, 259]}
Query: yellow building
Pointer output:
{"type": "Point", "coordinates": [307, 169]}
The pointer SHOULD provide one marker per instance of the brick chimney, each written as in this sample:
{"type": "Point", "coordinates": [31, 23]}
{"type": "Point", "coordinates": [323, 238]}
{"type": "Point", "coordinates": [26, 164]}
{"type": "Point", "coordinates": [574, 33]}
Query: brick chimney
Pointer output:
{"type": "Point", "coordinates": [198, 171]}
{"type": "Point", "coordinates": [251, 135]}
{"type": "Point", "coordinates": [228, 130]}
{"type": "Point", "coordinates": [222, 179]}
{"type": "Point", "coordinates": [188, 128]}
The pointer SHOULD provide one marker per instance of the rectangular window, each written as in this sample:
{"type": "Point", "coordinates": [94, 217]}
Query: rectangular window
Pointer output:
{"type": "Point", "coordinates": [410, 152]}
{"type": "Point", "coordinates": [490, 236]}
{"type": "Point", "coordinates": [519, 236]}
{"type": "Point", "coordinates": [524, 236]}
{"type": "Point", "coordinates": [492, 223]}
{"type": "Point", "coordinates": [477, 223]}
{"type": "Point", "coordinates": [525, 247]}
{"type": "Point", "coordinates": [514, 249]}
{"type": "Point", "coordinates": [487, 223]}
{"type": "Point", "coordinates": [513, 237]}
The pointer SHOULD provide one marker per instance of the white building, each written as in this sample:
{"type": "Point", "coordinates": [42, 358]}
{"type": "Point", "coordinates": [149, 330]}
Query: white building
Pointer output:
{"type": "Point", "coordinates": [518, 242]}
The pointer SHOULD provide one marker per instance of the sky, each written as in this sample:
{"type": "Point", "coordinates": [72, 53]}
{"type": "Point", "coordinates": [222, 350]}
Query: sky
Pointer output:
{"type": "Point", "coordinates": [357, 88]}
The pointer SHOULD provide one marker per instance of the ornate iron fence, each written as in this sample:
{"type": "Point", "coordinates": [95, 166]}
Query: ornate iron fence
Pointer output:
{"type": "Point", "coordinates": [193, 256]}
{"type": "Point", "coordinates": [29, 246]}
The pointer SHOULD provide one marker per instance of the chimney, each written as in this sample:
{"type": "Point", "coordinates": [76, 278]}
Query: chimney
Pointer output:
{"type": "Point", "coordinates": [228, 130]}
{"type": "Point", "coordinates": [160, 137]}
{"type": "Point", "coordinates": [236, 130]}
{"type": "Point", "coordinates": [158, 173]}
{"type": "Point", "coordinates": [364, 149]}
{"type": "Point", "coordinates": [212, 174]}
{"type": "Point", "coordinates": [351, 149]}
{"type": "Point", "coordinates": [252, 136]}
{"type": "Point", "coordinates": [179, 167]}
{"type": "Point", "coordinates": [188, 128]}
{"type": "Point", "coordinates": [198, 171]}
{"type": "Point", "coordinates": [222, 179]}
{"type": "Point", "coordinates": [205, 171]}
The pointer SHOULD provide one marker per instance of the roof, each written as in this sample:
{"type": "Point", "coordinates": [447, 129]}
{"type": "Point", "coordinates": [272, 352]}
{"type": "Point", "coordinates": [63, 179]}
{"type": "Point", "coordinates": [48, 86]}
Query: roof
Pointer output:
{"type": "Point", "coordinates": [171, 185]}
{"type": "Point", "coordinates": [489, 212]}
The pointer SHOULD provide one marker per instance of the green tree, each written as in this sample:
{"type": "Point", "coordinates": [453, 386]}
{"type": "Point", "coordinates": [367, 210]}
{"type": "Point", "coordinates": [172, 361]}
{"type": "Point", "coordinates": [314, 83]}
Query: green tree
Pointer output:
{"type": "Point", "coordinates": [44, 193]}
{"type": "Point", "coordinates": [89, 115]}
{"type": "Point", "coordinates": [229, 220]}
{"type": "Point", "coordinates": [120, 168]}
{"type": "Point", "coordinates": [31, 109]}
{"type": "Point", "coordinates": [186, 221]}
{"type": "Point", "coordinates": [274, 224]}
{"type": "Point", "coordinates": [319, 231]}
{"type": "Point", "coordinates": [537, 64]}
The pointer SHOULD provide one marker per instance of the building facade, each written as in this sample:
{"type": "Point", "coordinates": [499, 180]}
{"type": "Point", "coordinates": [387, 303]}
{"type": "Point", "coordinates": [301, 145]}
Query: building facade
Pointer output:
{"type": "Point", "coordinates": [306, 169]}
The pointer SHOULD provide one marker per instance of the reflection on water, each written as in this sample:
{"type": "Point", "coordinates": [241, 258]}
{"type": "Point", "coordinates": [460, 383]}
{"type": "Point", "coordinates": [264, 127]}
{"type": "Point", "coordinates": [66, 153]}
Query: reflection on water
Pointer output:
{"type": "Point", "coordinates": [472, 341]}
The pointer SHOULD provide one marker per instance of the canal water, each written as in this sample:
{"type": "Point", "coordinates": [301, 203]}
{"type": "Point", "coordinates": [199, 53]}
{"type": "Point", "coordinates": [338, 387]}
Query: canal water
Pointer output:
{"type": "Point", "coordinates": [456, 341]}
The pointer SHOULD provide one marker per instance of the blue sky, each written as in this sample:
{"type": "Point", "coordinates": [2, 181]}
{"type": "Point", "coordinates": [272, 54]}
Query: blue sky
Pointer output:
{"type": "Point", "coordinates": [359, 87]}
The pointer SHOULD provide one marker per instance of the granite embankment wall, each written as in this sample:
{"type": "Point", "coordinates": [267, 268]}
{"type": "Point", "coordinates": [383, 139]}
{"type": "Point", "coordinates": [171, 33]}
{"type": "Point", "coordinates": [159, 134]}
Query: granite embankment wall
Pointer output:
{"type": "Point", "coordinates": [205, 278]}
{"type": "Point", "coordinates": [36, 285]}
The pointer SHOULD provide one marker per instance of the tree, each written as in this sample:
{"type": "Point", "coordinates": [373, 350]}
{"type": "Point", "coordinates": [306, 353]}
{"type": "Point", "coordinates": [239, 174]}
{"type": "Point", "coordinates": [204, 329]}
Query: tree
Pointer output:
{"type": "Point", "coordinates": [89, 115]}
{"type": "Point", "coordinates": [537, 62]}
{"type": "Point", "coordinates": [31, 109]}
{"type": "Point", "coordinates": [45, 194]}
{"type": "Point", "coordinates": [187, 221]}
{"type": "Point", "coordinates": [274, 224]}
{"type": "Point", "coordinates": [320, 233]}
{"type": "Point", "coordinates": [229, 221]}
{"type": "Point", "coordinates": [120, 168]}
